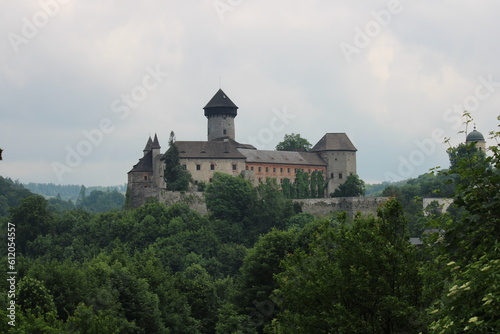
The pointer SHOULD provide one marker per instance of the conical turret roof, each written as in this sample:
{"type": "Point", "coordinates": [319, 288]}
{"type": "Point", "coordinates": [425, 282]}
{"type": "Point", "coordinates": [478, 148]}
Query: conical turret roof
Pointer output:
{"type": "Point", "coordinates": [149, 144]}
{"type": "Point", "coordinates": [220, 104]}
{"type": "Point", "coordinates": [155, 143]}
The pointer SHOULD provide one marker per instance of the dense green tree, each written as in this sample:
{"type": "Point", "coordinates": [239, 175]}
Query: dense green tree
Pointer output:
{"type": "Point", "coordinates": [256, 282]}
{"type": "Point", "coordinates": [471, 300]}
{"type": "Point", "coordinates": [465, 152]}
{"type": "Point", "coordinates": [11, 194]}
{"type": "Point", "coordinates": [318, 185]}
{"type": "Point", "coordinates": [288, 189]}
{"type": "Point", "coordinates": [100, 201]}
{"type": "Point", "coordinates": [293, 142]}
{"type": "Point", "coordinates": [272, 209]}
{"type": "Point", "coordinates": [31, 219]}
{"type": "Point", "coordinates": [199, 289]}
{"type": "Point", "coordinates": [176, 177]}
{"type": "Point", "coordinates": [34, 297]}
{"type": "Point", "coordinates": [302, 184]}
{"type": "Point", "coordinates": [87, 321]}
{"type": "Point", "coordinates": [352, 187]}
{"type": "Point", "coordinates": [230, 198]}
{"type": "Point", "coordinates": [338, 286]}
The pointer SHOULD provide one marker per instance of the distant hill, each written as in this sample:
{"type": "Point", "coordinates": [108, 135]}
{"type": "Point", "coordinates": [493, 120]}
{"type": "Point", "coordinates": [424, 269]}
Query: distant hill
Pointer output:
{"type": "Point", "coordinates": [68, 192]}
{"type": "Point", "coordinates": [11, 194]}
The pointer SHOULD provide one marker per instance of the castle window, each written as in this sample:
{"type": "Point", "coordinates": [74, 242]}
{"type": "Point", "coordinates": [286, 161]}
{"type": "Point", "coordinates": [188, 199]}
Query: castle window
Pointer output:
{"type": "Point", "coordinates": [281, 170]}
{"type": "Point", "coordinates": [267, 169]}
{"type": "Point", "coordinates": [331, 176]}
{"type": "Point", "coordinates": [281, 180]}
{"type": "Point", "coordinates": [309, 170]}
{"type": "Point", "coordinates": [274, 170]}
{"type": "Point", "coordinates": [224, 131]}
{"type": "Point", "coordinates": [259, 169]}
{"type": "Point", "coordinates": [246, 167]}
{"type": "Point", "coordinates": [210, 180]}
{"type": "Point", "coordinates": [234, 166]}
{"type": "Point", "coordinates": [184, 167]}
{"type": "Point", "coordinates": [198, 167]}
{"type": "Point", "coordinates": [212, 166]}
{"type": "Point", "coordinates": [145, 177]}
{"type": "Point", "coordinates": [288, 170]}
{"type": "Point", "coordinates": [340, 175]}
{"type": "Point", "coordinates": [260, 180]}
{"type": "Point", "coordinates": [251, 168]}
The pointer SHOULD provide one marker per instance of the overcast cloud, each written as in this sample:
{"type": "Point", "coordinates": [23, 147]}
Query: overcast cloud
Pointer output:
{"type": "Point", "coordinates": [393, 75]}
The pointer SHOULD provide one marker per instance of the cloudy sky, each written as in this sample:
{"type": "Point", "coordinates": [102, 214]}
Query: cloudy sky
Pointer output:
{"type": "Point", "coordinates": [84, 83]}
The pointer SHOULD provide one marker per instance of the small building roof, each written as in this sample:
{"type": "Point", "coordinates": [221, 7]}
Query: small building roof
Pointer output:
{"type": "Point", "coordinates": [234, 142]}
{"type": "Point", "coordinates": [209, 149]}
{"type": "Point", "coordinates": [282, 157]}
{"type": "Point", "coordinates": [334, 142]}
{"type": "Point", "coordinates": [145, 164]}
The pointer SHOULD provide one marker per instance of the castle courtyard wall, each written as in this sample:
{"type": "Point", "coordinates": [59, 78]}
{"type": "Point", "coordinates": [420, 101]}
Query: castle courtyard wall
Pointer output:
{"type": "Point", "coordinates": [321, 207]}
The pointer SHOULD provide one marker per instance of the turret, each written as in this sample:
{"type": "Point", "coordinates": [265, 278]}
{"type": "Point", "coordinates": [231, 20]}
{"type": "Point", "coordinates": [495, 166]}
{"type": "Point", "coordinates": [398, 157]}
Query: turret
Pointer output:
{"type": "Point", "coordinates": [220, 112]}
{"type": "Point", "coordinates": [337, 150]}
{"type": "Point", "coordinates": [477, 138]}
{"type": "Point", "coordinates": [148, 146]}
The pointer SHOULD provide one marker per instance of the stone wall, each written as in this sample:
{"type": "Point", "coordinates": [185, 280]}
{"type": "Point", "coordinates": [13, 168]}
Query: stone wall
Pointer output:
{"type": "Point", "coordinates": [195, 200]}
{"type": "Point", "coordinates": [316, 206]}
{"type": "Point", "coordinates": [327, 206]}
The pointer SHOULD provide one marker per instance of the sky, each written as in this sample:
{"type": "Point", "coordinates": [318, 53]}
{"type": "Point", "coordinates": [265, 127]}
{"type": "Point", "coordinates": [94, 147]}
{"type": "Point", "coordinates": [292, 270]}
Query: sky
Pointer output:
{"type": "Point", "coordinates": [83, 84]}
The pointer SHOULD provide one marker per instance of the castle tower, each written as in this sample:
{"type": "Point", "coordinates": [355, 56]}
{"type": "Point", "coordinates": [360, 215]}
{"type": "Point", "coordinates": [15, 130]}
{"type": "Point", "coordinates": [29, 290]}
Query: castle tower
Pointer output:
{"type": "Point", "coordinates": [141, 183]}
{"type": "Point", "coordinates": [158, 168]}
{"type": "Point", "coordinates": [337, 150]}
{"type": "Point", "coordinates": [220, 112]}
{"type": "Point", "coordinates": [477, 138]}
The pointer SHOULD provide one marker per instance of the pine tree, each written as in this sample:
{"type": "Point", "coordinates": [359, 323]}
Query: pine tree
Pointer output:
{"type": "Point", "coordinates": [176, 177]}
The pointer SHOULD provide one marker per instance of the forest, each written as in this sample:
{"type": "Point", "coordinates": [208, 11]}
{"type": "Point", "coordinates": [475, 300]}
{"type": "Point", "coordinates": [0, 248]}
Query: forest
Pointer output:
{"type": "Point", "coordinates": [256, 263]}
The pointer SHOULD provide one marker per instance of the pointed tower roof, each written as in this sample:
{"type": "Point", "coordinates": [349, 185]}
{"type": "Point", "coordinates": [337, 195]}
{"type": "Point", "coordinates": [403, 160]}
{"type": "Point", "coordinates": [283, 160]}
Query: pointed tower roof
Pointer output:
{"type": "Point", "coordinates": [148, 145]}
{"type": "Point", "coordinates": [155, 143]}
{"type": "Point", "coordinates": [220, 104]}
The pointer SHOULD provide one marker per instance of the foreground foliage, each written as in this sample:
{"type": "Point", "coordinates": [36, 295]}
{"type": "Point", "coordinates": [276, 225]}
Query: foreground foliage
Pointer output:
{"type": "Point", "coordinates": [255, 265]}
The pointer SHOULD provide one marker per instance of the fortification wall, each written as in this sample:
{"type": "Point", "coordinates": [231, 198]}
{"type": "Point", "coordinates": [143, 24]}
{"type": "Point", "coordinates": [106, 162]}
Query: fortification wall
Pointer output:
{"type": "Point", "coordinates": [195, 200]}
{"type": "Point", "coordinates": [327, 206]}
{"type": "Point", "coordinates": [317, 206]}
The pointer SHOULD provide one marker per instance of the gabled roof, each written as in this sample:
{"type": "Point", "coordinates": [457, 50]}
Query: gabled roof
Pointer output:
{"type": "Point", "coordinates": [145, 164]}
{"type": "Point", "coordinates": [220, 104]}
{"type": "Point", "coordinates": [208, 149]}
{"type": "Point", "coordinates": [282, 157]}
{"type": "Point", "coordinates": [334, 142]}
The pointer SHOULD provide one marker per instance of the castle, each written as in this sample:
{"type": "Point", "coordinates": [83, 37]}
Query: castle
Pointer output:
{"type": "Point", "coordinates": [334, 156]}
